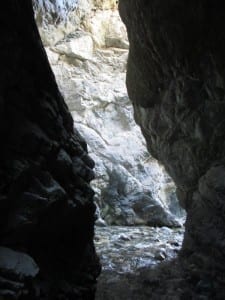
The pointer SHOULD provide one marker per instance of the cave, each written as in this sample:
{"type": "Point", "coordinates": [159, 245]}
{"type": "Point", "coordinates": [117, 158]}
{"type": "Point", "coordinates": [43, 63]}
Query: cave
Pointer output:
{"type": "Point", "coordinates": [49, 190]}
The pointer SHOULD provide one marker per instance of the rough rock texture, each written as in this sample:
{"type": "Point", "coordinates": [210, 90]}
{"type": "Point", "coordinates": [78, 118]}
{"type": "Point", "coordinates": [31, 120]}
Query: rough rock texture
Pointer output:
{"type": "Point", "coordinates": [46, 203]}
{"type": "Point", "coordinates": [56, 10]}
{"type": "Point", "coordinates": [175, 80]}
{"type": "Point", "coordinates": [90, 67]}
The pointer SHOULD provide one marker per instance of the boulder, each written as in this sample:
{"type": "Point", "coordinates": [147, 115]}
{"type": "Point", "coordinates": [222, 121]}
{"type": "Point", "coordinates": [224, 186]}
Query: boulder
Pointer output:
{"type": "Point", "coordinates": [107, 29]}
{"type": "Point", "coordinates": [17, 263]}
{"type": "Point", "coordinates": [77, 45]}
{"type": "Point", "coordinates": [17, 271]}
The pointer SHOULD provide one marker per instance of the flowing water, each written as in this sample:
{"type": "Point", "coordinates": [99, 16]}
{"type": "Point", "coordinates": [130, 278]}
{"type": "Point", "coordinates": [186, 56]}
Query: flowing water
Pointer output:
{"type": "Point", "coordinates": [124, 253]}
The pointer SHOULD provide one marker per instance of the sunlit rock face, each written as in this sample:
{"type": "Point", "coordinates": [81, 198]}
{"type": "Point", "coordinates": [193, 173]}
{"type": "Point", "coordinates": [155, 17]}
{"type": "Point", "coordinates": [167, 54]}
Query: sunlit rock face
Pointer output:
{"type": "Point", "coordinates": [175, 81]}
{"type": "Point", "coordinates": [47, 211]}
{"type": "Point", "coordinates": [88, 52]}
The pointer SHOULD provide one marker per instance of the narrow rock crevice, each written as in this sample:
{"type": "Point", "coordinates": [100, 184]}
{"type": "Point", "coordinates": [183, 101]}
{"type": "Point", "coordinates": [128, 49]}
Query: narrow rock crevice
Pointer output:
{"type": "Point", "coordinates": [132, 189]}
{"type": "Point", "coordinates": [175, 81]}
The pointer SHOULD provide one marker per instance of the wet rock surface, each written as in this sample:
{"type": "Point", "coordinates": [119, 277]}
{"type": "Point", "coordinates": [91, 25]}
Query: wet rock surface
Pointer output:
{"type": "Point", "coordinates": [142, 263]}
{"type": "Point", "coordinates": [127, 249]}
{"type": "Point", "coordinates": [128, 252]}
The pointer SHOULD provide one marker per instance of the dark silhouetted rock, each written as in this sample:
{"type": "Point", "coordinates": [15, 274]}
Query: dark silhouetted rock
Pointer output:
{"type": "Point", "coordinates": [46, 202]}
{"type": "Point", "coordinates": [175, 80]}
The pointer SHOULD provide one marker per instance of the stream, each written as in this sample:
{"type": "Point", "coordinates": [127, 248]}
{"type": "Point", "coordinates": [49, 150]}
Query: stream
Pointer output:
{"type": "Point", "coordinates": [126, 251]}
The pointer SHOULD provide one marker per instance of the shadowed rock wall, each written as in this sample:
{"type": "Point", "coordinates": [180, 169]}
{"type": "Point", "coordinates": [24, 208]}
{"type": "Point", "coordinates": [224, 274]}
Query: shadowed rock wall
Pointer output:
{"type": "Point", "coordinates": [175, 80]}
{"type": "Point", "coordinates": [46, 203]}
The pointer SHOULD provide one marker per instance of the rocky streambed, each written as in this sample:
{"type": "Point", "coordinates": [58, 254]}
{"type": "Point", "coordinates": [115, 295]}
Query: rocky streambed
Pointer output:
{"type": "Point", "coordinates": [128, 253]}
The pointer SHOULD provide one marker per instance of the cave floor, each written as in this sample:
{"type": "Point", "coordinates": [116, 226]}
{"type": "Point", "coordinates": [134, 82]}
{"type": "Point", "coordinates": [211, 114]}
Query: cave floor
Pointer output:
{"type": "Point", "coordinates": [127, 253]}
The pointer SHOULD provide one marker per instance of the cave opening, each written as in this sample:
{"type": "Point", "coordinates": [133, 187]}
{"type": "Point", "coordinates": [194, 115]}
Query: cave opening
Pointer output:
{"type": "Point", "coordinates": [139, 220]}
{"type": "Point", "coordinates": [175, 79]}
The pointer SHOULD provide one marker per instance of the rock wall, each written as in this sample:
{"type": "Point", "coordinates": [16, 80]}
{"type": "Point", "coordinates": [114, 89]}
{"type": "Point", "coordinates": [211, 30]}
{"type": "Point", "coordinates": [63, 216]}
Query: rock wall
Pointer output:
{"type": "Point", "coordinates": [88, 53]}
{"type": "Point", "coordinates": [46, 202]}
{"type": "Point", "coordinates": [175, 81]}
